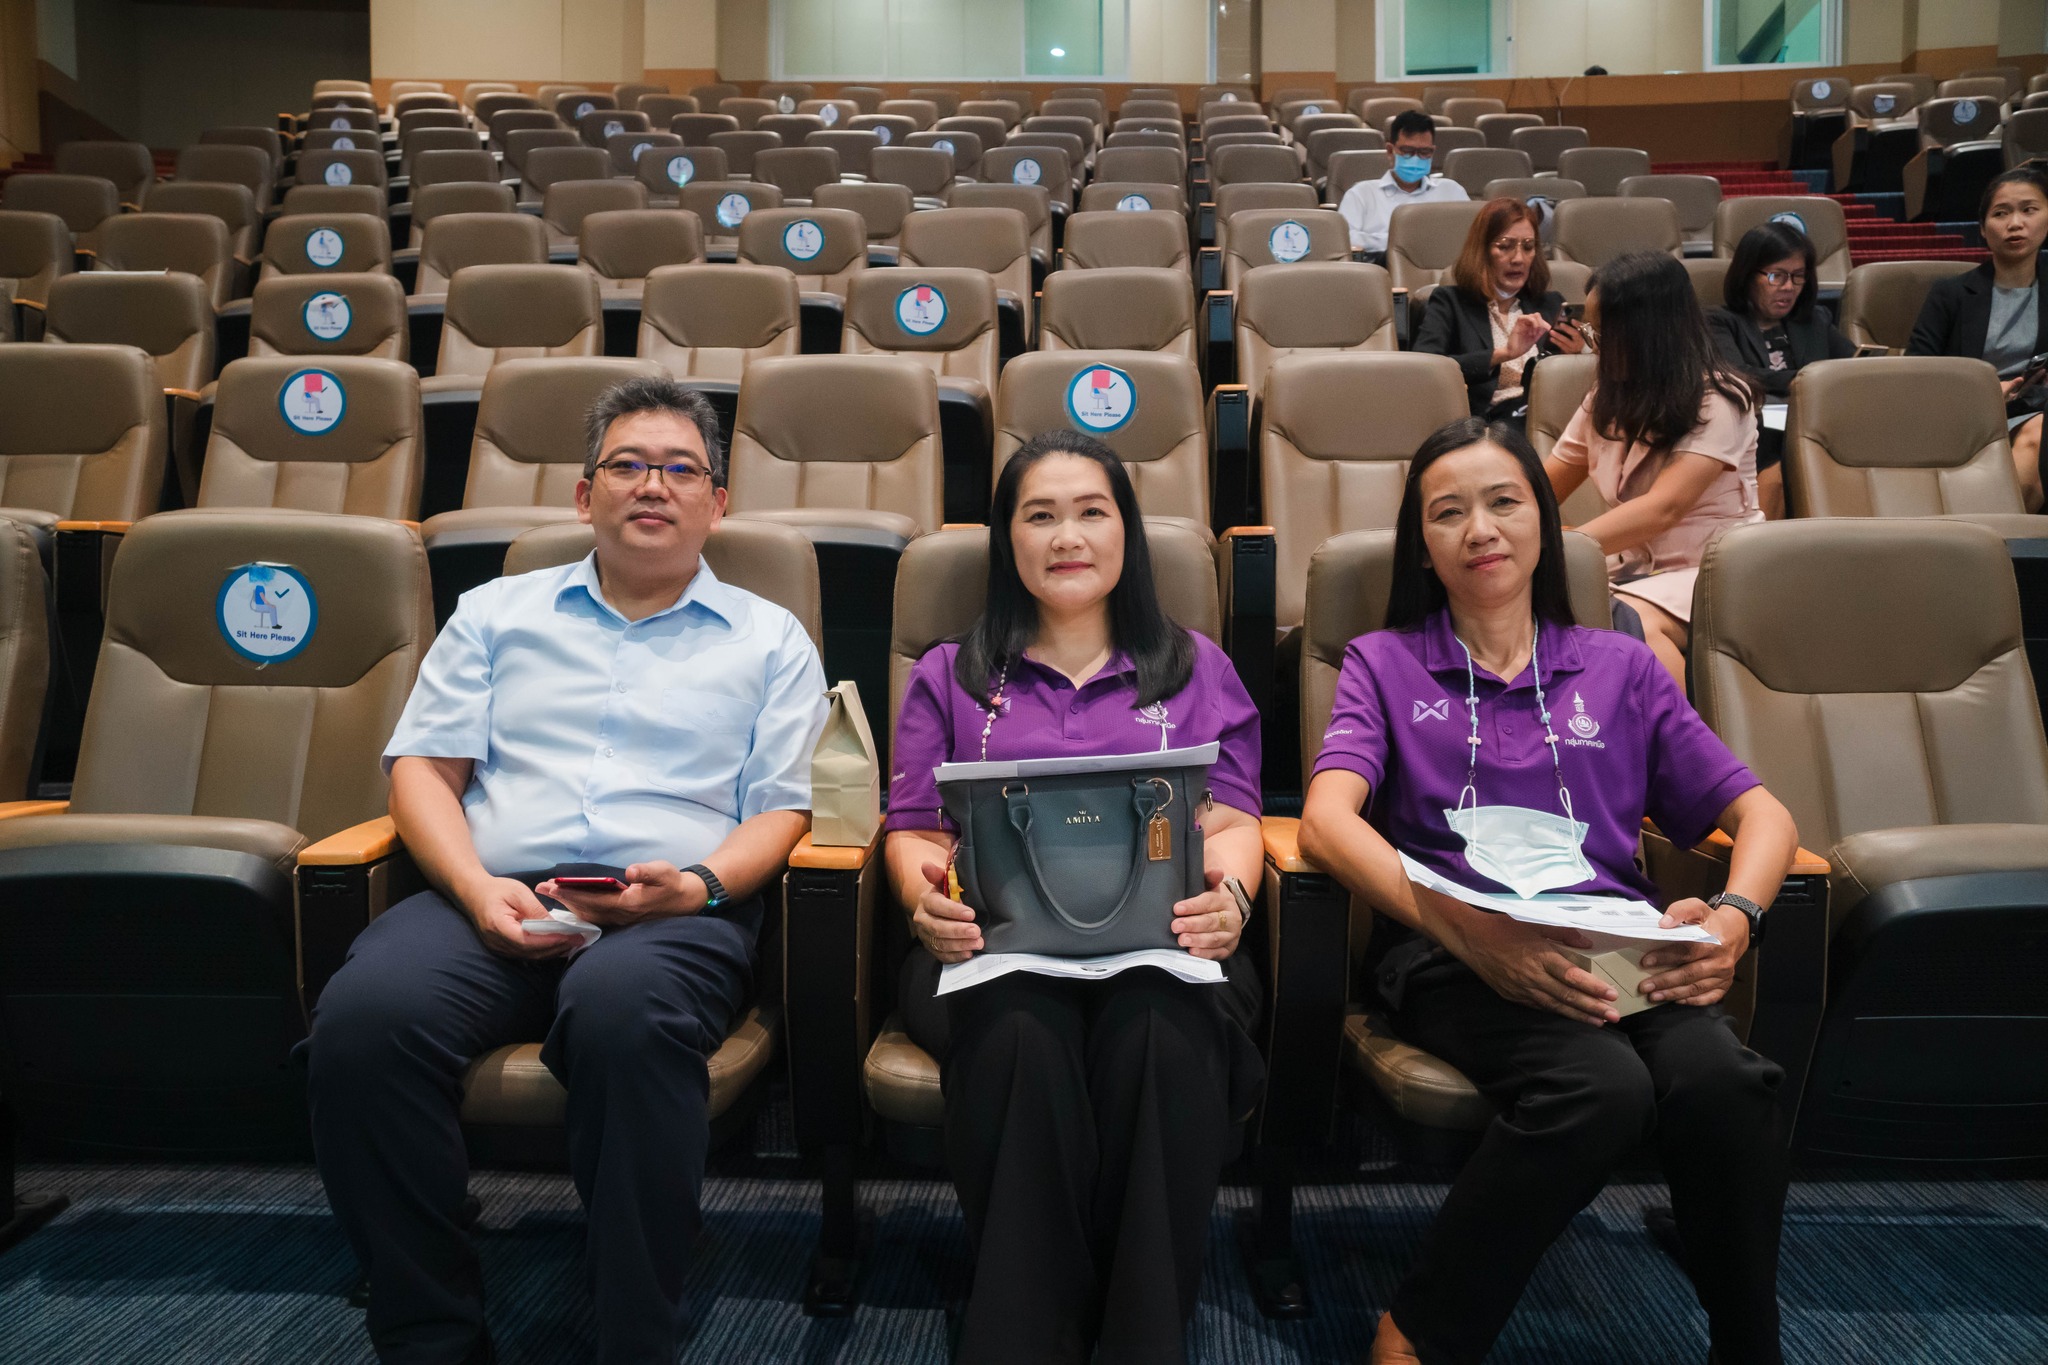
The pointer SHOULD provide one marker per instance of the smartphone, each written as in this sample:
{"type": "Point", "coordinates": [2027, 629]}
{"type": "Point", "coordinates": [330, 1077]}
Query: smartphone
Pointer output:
{"type": "Point", "coordinates": [2037, 367]}
{"type": "Point", "coordinates": [607, 884]}
{"type": "Point", "coordinates": [1870, 349]}
{"type": "Point", "coordinates": [1575, 313]}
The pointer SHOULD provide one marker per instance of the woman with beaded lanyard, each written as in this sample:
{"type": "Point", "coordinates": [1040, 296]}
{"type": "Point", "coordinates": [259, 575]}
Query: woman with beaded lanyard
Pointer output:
{"type": "Point", "coordinates": [1511, 751]}
{"type": "Point", "coordinates": [1086, 1121]}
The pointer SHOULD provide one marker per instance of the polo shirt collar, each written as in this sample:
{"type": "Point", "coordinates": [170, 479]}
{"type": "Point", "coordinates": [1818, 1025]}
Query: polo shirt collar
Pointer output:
{"type": "Point", "coordinates": [705, 591]}
{"type": "Point", "coordinates": [1119, 664]}
{"type": "Point", "coordinates": [1441, 652]}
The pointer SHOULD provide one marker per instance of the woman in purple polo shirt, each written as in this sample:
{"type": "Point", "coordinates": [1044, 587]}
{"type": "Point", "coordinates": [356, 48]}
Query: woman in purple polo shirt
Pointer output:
{"type": "Point", "coordinates": [1483, 709]}
{"type": "Point", "coordinates": [1086, 1121]}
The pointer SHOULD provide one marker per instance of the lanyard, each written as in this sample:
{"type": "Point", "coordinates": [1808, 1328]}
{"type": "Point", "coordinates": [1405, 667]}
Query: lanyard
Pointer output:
{"type": "Point", "coordinates": [1542, 712]}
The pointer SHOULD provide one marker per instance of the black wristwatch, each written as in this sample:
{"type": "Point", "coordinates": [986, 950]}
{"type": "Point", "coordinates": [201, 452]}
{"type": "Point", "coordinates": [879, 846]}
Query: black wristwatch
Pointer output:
{"type": "Point", "coordinates": [716, 888]}
{"type": "Point", "coordinates": [1751, 911]}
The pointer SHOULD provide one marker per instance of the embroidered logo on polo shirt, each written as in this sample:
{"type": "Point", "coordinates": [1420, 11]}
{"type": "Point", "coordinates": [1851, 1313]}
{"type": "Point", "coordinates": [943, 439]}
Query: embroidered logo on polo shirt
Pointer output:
{"type": "Point", "coordinates": [1584, 728]}
{"type": "Point", "coordinates": [1431, 710]}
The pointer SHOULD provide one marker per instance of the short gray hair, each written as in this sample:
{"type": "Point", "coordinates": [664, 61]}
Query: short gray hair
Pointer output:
{"type": "Point", "coordinates": [649, 394]}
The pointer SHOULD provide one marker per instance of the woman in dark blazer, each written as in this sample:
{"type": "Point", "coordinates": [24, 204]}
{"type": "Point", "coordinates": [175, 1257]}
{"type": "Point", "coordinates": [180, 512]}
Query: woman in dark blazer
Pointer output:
{"type": "Point", "coordinates": [1999, 313]}
{"type": "Point", "coordinates": [1498, 314]}
{"type": "Point", "coordinates": [1770, 328]}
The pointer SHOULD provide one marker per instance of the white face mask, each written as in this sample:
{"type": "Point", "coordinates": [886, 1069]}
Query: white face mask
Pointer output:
{"type": "Point", "coordinates": [1528, 851]}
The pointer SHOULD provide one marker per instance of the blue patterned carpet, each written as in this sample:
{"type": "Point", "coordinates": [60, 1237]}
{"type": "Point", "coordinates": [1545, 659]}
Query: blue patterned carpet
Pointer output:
{"type": "Point", "coordinates": [164, 1264]}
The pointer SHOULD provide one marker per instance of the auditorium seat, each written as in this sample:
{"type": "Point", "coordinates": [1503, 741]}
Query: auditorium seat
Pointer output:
{"type": "Point", "coordinates": [989, 132]}
{"type": "Point", "coordinates": [442, 201]}
{"type": "Point", "coordinates": [1316, 306]}
{"type": "Point", "coordinates": [704, 324]}
{"type": "Point", "coordinates": [665, 173]}
{"type": "Point", "coordinates": [1345, 169]}
{"type": "Point", "coordinates": [194, 243]}
{"type": "Point", "coordinates": [210, 762]}
{"type": "Point", "coordinates": [1556, 390]}
{"type": "Point", "coordinates": [24, 659]}
{"type": "Point", "coordinates": [1146, 165]}
{"type": "Point", "coordinates": [1377, 113]}
{"type": "Point", "coordinates": [852, 146]}
{"type": "Point", "coordinates": [365, 459]}
{"type": "Point", "coordinates": [1882, 299]}
{"type": "Point", "coordinates": [1696, 197]}
{"type": "Point", "coordinates": [925, 171]}
{"type": "Point", "coordinates": [456, 241]}
{"type": "Point", "coordinates": [263, 139]}
{"type": "Point", "coordinates": [568, 202]}
{"type": "Point", "coordinates": [1880, 136]}
{"type": "Point", "coordinates": [697, 130]}
{"type": "Point", "coordinates": [329, 315]}
{"type": "Point", "coordinates": [1472, 167]}
{"type": "Point", "coordinates": [1873, 674]}
{"type": "Point", "coordinates": [315, 243]}
{"type": "Point", "coordinates": [1818, 115]}
{"type": "Point", "coordinates": [1033, 201]}
{"type": "Point", "coordinates": [1549, 189]}
{"type": "Point", "coordinates": [573, 106]}
{"type": "Point", "coordinates": [746, 111]}
{"type": "Point", "coordinates": [964, 147]}
{"type": "Point", "coordinates": [167, 316]}
{"type": "Point", "coordinates": [1260, 237]}
{"type": "Point", "coordinates": [312, 199]}
{"type": "Point", "coordinates": [662, 109]}
{"type": "Point", "coordinates": [722, 205]}
{"type": "Point", "coordinates": [83, 434]}
{"type": "Point", "coordinates": [35, 250]}
{"type": "Point", "coordinates": [882, 209]}
{"type": "Point", "coordinates": [1235, 165]}
{"type": "Point", "coordinates": [833, 113]}
{"type": "Point", "coordinates": [993, 240]}
{"type": "Point", "coordinates": [1818, 216]}
{"type": "Point", "coordinates": [2025, 135]}
{"type": "Point", "coordinates": [1108, 240]}
{"type": "Point", "coordinates": [508, 124]}
{"type": "Point", "coordinates": [1547, 145]}
{"type": "Point", "coordinates": [1045, 167]}
{"type": "Point", "coordinates": [129, 165]}
{"type": "Point", "coordinates": [232, 204]}
{"type": "Point", "coordinates": [235, 163]}
{"type": "Point", "coordinates": [1499, 129]}
{"type": "Point", "coordinates": [497, 313]}
{"type": "Point", "coordinates": [484, 102]}
{"type": "Point", "coordinates": [1423, 242]}
{"type": "Point", "coordinates": [1129, 196]}
{"type": "Point", "coordinates": [1960, 151]}
{"type": "Point", "coordinates": [823, 248]}
{"type": "Point", "coordinates": [742, 147]}
{"type": "Point", "coordinates": [621, 247]}
{"type": "Point", "coordinates": [797, 171]}
{"type": "Point", "coordinates": [1593, 232]}
{"type": "Point", "coordinates": [341, 139]}
{"type": "Point", "coordinates": [333, 167]}
{"type": "Point", "coordinates": [599, 126]}
{"type": "Point", "coordinates": [791, 129]}
{"type": "Point", "coordinates": [1230, 200]}
{"type": "Point", "coordinates": [1006, 110]}
{"type": "Point", "coordinates": [1132, 308]}
{"type": "Point", "coordinates": [1602, 169]}
{"type": "Point", "coordinates": [84, 202]}
{"type": "Point", "coordinates": [451, 166]}
{"type": "Point", "coordinates": [548, 166]}
{"type": "Point", "coordinates": [1145, 406]}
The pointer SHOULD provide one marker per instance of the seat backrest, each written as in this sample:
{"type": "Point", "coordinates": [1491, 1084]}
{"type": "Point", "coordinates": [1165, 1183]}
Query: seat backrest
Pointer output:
{"type": "Point", "coordinates": [882, 208]}
{"type": "Point", "coordinates": [336, 434]}
{"type": "Point", "coordinates": [1349, 577]}
{"type": "Point", "coordinates": [786, 94]}
{"type": "Point", "coordinates": [1283, 237]}
{"type": "Point", "coordinates": [82, 201]}
{"type": "Point", "coordinates": [1873, 675]}
{"type": "Point", "coordinates": [1602, 169]}
{"type": "Point", "coordinates": [1032, 201]}
{"type": "Point", "coordinates": [1473, 167]}
{"type": "Point", "coordinates": [722, 205]}
{"type": "Point", "coordinates": [316, 243]}
{"type": "Point", "coordinates": [621, 247]}
{"type": "Point", "coordinates": [485, 98]}
{"type": "Point", "coordinates": [626, 150]}
{"type": "Point", "coordinates": [1436, 98]}
{"type": "Point", "coordinates": [1879, 101]}
{"type": "Point", "coordinates": [1253, 161]}
{"type": "Point", "coordinates": [456, 241]}
{"type": "Point", "coordinates": [1345, 169]}
{"type": "Point", "coordinates": [442, 201]}
{"type": "Point", "coordinates": [1131, 196]}
{"type": "Point", "coordinates": [1377, 113]}
{"type": "Point", "coordinates": [178, 706]}
{"type": "Point", "coordinates": [921, 113]}
{"type": "Point", "coordinates": [833, 113]}
{"type": "Point", "coordinates": [547, 166]}
{"type": "Point", "coordinates": [791, 128]}
{"type": "Point", "coordinates": [944, 319]}
{"type": "Point", "coordinates": [191, 243]}
{"type": "Point", "coordinates": [1822, 95]}
{"type": "Point", "coordinates": [1231, 121]}
{"type": "Point", "coordinates": [1089, 109]}
{"type": "Point", "coordinates": [926, 171]}
{"type": "Point", "coordinates": [1046, 167]}
{"type": "Point", "coordinates": [1135, 107]}
{"type": "Point", "coordinates": [1547, 145]}
{"type": "Point", "coordinates": [1556, 389]}
{"type": "Point", "coordinates": [1991, 88]}
{"type": "Point", "coordinates": [354, 117]}
{"type": "Point", "coordinates": [997, 240]}
{"type": "Point", "coordinates": [1148, 132]}
{"type": "Point", "coordinates": [82, 431]}
{"type": "Point", "coordinates": [528, 448]}
{"type": "Point", "coordinates": [1135, 308]}
{"type": "Point", "coordinates": [576, 105]}
{"type": "Point", "coordinates": [1968, 118]}
{"type": "Point", "coordinates": [1335, 437]}
{"type": "Point", "coordinates": [853, 146]}
{"type": "Point", "coordinates": [823, 248]}
{"type": "Point", "coordinates": [1466, 110]}
{"type": "Point", "coordinates": [1146, 165]}
{"type": "Point", "coordinates": [889, 129]}
{"type": "Point", "coordinates": [522, 143]}
{"type": "Point", "coordinates": [855, 433]}
{"type": "Point", "coordinates": [1146, 406]}
{"type": "Point", "coordinates": [329, 315]}
{"type": "Point", "coordinates": [1080, 128]}
{"type": "Point", "coordinates": [1899, 436]}
{"type": "Point", "coordinates": [797, 171]}
{"type": "Point", "coordinates": [1325, 143]}
{"type": "Point", "coordinates": [35, 249]}
{"type": "Point", "coordinates": [2026, 134]}
{"type": "Point", "coordinates": [1423, 241]}
{"type": "Point", "coordinates": [1231, 200]}
{"type": "Point", "coordinates": [1818, 216]}
{"type": "Point", "coordinates": [265, 140]}
{"type": "Point", "coordinates": [990, 131]}
{"type": "Point", "coordinates": [1499, 129]}
{"type": "Point", "coordinates": [1108, 240]}
{"type": "Point", "coordinates": [1594, 231]}
{"type": "Point", "coordinates": [1007, 110]}
{"type": "Point", "coordinates": [697, 130]}
{"type": "Point", "coordinates": [439, 121]}
{"type": "Point", "coordinates": [660, 108]}
{"type": "Point", "coordinates": [497, 313]}
{"type": "Point", "coordinates": [519, 118]}
{"type": "Point", "coordinates": [599, 126]}
{"type": "Point", "coordinates": [1536, 189]}
{"type": "Point", "coordinates": [336, 167]}
{"type": "Point", "coordinates": [129, 165]}
{"type": "Point", "coordinates": [236, 207]}
{"type": "Point", "coordinates": [449, 166]}
{"type": "Point", "coordinates": [747, 111]}
{"type": "Point", "coordinates": [235, 163]}
{"type": "Point", "coordinates": [964, 147]}
{"type": "Point", "coordinates": [305, 199]}
{"type": "Point", "coordinates": [170, 316]}
{"type": "Point", "coordinates": [1451, 140]}
{"type": "Point", "coordinates": [1312, 306]}
{"type": "Point", "coordinates": [1695, 197]}
{"type": "Point", "coordinates": [1882, 299]}
{"type": "Point", "coordinates": [712, 321]}
{"type": "Point", "coordinates": [24, 657]}
{"type": "Point", "coordinates": [667, 171]}
{"type": "Point", "coordinates": [568, 202]}
{"type": "Point", "coordinates": [1309, 125]}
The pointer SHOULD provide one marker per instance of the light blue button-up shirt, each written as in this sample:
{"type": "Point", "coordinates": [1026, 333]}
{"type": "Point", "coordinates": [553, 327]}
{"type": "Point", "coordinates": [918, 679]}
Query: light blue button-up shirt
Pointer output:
{"type": "Point", "coordinates": [602, 740]}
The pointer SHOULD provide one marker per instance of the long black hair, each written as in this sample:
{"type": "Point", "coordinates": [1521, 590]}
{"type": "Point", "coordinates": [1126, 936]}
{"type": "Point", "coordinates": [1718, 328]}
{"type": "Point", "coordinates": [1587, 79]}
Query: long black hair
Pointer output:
{"type": "Point", "coordinates": [1762, 247]}
{"type": "Point", "coordinates": [1657, 360]}
{"type": "Point", "coordinates": [1162, 652]}
{"type": "Point", "coordinates": [1416, 594]}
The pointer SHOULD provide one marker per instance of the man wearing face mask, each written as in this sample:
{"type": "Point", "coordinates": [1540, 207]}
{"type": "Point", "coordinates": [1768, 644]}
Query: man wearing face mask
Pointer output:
{"type": "Point", "coordinates": [1368, 205]}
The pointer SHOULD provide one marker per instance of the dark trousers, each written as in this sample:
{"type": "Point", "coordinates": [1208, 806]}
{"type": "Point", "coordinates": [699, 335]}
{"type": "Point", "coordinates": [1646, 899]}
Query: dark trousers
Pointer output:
{"type": "Point", "coordinates": [1087, 1123]}
{"type": "Point", "coordinates": [628, 1025]}
{"type": "Point", "coordinates": [1574, 1100]}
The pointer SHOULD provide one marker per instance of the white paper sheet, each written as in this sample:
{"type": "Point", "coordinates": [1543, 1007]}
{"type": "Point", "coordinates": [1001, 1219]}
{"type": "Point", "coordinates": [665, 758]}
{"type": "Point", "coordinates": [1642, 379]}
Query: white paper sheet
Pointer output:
{"type": "Point", "coordinates": [1603, 917]}
{"type": "Point", "coordinates": [560, 921]}
{"type": "Point", "coordinates": [1774, 416]}
{"type": "Point", "coordinates": [958, 976]}
{"type": "Point", "coordinates": [1203, 756]}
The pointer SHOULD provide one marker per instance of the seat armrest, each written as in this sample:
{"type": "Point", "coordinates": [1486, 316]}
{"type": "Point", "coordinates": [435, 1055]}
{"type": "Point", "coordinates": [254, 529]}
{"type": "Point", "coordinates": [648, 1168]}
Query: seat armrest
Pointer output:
{"type": "Point", "coordinates": [829, 900]}
{"type": "Point", "coordinates": [1247, 576]}
{"type": "Point", "coordinates": [1232, 479]}
{"type": "Point", "coordinates": [1401, 325]}
{"type": "Point", "coordinates": [364, 843]}
{"type": "Point", "coordinates": [83, 557]}
{"type": "Point", "coordinates": [343, 882]}
{"type": "Point", "coordinates": [1282, 837]}
{"type": "Point", "coordinates": [17, 810]}
{"type": "Point", "coordinates": [1304, 928]}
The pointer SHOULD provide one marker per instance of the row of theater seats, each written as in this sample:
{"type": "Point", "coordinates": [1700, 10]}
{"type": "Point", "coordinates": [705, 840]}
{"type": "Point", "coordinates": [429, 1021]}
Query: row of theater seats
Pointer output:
{"type": "Point", "coordinates": [1938, 142]}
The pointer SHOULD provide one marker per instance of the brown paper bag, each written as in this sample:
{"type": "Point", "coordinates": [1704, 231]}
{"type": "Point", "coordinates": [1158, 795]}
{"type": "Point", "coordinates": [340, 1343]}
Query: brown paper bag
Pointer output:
{"type": "Point", "coordinates": [846, 778]}
{"type": "Point", "coordinates": [1621, 968]}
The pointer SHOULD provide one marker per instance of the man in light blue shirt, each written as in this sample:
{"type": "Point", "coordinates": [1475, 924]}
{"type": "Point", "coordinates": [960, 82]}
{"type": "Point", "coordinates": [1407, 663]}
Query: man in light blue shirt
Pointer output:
{"type": "Point", "coordinates": [627, 716]}
{"type": "Point", "coordinates": [1368, 207]}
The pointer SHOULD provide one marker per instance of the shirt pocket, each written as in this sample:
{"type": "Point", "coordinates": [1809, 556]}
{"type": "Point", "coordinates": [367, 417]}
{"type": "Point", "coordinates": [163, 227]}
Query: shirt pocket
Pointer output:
{"type": "Point", "coordinates": [692, 709]}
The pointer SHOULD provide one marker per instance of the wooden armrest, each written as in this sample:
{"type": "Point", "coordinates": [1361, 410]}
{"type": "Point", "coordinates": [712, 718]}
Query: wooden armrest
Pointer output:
{"type": "Point", "coordinates": [1718, 846]}
{"type": "Point", "coordinates": [829, 859]}
{"type": "Point", "coordinates": [192, 394]}
{"type": "Point", "coordinates": [1282, 835]}
{"type": "Point", "coordinates": [1231, 532]}
{"type": "Point", "coordinates": [31, 303]}
{"type": "Point", "coordinates": [364, 843]}
{"type": "Point", "coordinates": [1400, 291]}
{"type": "Point", "coordinates": [112, 528]}
{"type": "Point", "coordinates": [13, 810]}
{"type": "Point", "coordinates": [964, 526]}
{"type": "Point", "coordinates": [86, 251]}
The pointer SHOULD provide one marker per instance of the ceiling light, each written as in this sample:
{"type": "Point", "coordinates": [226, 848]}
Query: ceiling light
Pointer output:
{"type": "Point", "coordinates": [1059, 52]}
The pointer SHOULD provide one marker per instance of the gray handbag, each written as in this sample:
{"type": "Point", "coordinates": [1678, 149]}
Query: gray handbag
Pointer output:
{"type": "Point", "coordinates": [1078, 863]}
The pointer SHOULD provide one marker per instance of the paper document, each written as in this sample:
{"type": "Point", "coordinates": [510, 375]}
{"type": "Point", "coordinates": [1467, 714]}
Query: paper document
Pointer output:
{"type": "Point", "coordinates": [1201, 757]}
{"type": "Point", "coordinates": [1609, 919]}
{"type": "Point", "coordinates": [958, 976]}
{"type": "Point", "coordinates": [1774, 416]}
{"type": "Point", "coordinates": [560, 921]}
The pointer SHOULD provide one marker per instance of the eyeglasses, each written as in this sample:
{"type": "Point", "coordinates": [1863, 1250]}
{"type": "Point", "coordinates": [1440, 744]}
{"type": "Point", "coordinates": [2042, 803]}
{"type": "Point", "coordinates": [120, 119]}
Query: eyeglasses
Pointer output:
{"type": "Point", "coordinates": [1515, 246]}
{"type": "Point", "coordinates": [1778, 278]}
{"type": "Point", "coordinates": [623, 474]}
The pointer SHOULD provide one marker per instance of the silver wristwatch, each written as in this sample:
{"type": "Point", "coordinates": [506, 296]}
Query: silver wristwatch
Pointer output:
{"type": "Point", "coordinates": [1243, 899]}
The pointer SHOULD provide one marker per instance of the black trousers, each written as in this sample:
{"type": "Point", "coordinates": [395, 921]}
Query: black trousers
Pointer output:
{"type": "Point", "coordinates": [1574, 1100]}
{"type": "Point", "coordinates": [629, 1023]}
{"type": "Point", "coordinates": [1087, 1123]}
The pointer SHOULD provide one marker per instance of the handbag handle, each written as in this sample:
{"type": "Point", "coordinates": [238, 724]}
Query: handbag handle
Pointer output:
{"type": "Point", "coordinates": [1144, 802]}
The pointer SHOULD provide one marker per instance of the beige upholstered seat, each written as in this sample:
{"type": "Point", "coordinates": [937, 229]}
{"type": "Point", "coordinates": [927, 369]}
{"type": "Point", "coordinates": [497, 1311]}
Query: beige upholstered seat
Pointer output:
{"type": "Point", "coordinates": [329, 315]}
{"type": "Point", "coordinates": [666, 170]}
{"type": "Point", "coordinates": [997, 240]}
{"type": "Point", "coordinates": [722, 205]}
{"type": "Point", "coordinates": [83, 434]}
{"type": "Point", "coordinates": [882, 209]}
{"type": "Point", "coordinates": [458, 241]}
{"type": "Point", "coordinates": [1473, 167]}
{"type": "Point", "coordinates": [1312, 306]}
{"type": "Point", "coordinates": [547, 166]}
{"type": "Point", "coordinates": [568, 202]}
{"type": "Point", "coordinates": [236, 207]}
{"type": "Point", "coordinates": [824, 248]}
{"type": "Point", "coordinates": [1592, 232]}
{"type": "Point", "coordinates": [1557, 388]}
{"type": "Point", "coordinates": [1108, 239]}
{"type": "Point", "coordinates": [1696, 197]}
{"type": "Point", "coordinates": [927, 172]}
{"type": "Point", "coordinates": [317, 243]}
{"type": "Point", "coordinates": [1231, 200]}
{"type": "Point", "coordinates": [1905, 436]}
{"type": "Point", "coordinates": [798, 172]}
{"type": "Point", "coordinates": [35, 251]}
{"type": "Point", "coordinates": [336, 167]}
{"type": "Point", "coordinates": [621, 247]}
{"type": "Point", "coordinates": [1046, 167]}
{"type": "Point", "coordinates": [236, 164]}
{"type": "Point", "coordinates": [187, 243]}
{"type": "Point", "coordinates": [839, 446]}
{"type": "Point", "coordinates": [168, 316]}
{"type": "Point", "coordinates": [961, 349]}
{"type": "Point", "coordinates": [1253, 161]}
{"type": "Point", "coordinates": [84, 202]}
{"type": "Point", "coordinates": [1263, 237]}
{"type": "Point", "coordinates": [497, 313]}
{"type": "Point", "coordinates": [129, 165]}
{"type": "Point", "coordinates": [1423, 242]}
{"type": "Point", "coordinates": [709, 322]}
{"type": "Point", "coordinates": [1133, 308]}
{"type": "Point", "coordinates": [1033, 201]}
{"type": "Point", "coordinates": [435, 202]}
{"type": "Point", "coordinates": [368, 460]}
{"type": "Point", "coordinates": [1601, 169]}
{"type": "Point", "coordinates": [1883, 299]}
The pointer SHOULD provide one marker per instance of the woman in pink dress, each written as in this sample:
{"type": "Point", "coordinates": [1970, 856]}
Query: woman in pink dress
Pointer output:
{"type": "Point", "coordinates": [1668, 436]}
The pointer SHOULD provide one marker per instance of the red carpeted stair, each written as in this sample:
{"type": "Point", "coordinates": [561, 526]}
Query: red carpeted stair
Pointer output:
{"type": "Point", "coordinates": [1873, 234]}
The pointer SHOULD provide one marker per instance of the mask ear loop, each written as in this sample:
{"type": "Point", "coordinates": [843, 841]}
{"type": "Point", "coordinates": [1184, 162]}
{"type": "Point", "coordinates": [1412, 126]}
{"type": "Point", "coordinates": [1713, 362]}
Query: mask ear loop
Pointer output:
{"type": "Point", "coordinates": [1564, 794]}
{"type": "Point", "coordinates": [1472, 741]}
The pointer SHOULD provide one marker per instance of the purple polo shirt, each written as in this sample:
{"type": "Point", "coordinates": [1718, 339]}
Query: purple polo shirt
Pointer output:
{"type": "Point", "coordinates": [1630, 743]}
{"type": "Point", "coordinates": [1046, 716]}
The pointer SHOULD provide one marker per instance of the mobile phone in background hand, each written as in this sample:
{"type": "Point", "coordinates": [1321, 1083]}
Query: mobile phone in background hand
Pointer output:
{"type": "Point", "coordinates": [609, 885]}
{"type": "Point", "coordinates": [1871, 349]}
{"type": "Point", "coordinates": [1575, 313]}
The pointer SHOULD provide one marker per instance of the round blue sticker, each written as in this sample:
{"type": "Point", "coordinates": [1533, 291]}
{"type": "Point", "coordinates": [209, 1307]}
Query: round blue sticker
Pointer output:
{"type": "Point", "coordinates": [328, 316]}
{"type": "Point", "coordinates": [584, 108]}
{"type": "Point", "coordinates": [681, 170]}
{"type": "Point", "coordinates": [267, 612]}
{"type": "Point", "coordinates": [803, 239]}
{"type": "Point", "coordinates": [312, 402]}
{"type": "Point", "coordinates": [1026, 172]}
{"type": "Point", "coordinates": [344, 144]}
{"type": "Point", "coordinates": [613, 127]}
{"type": "Point", "coordinates": [324, 248]}
{"type": "Point", "coordinates": [829, 113]}
{"type": "Point", "coordinates": [1966, 111]}
{"type": "Point", "coordinates": [1288, 241]}
{"type": "Point", "coordinates": [1790, 219]}
{"type": "Point", "coordinates": [1101, 399]}
{"type": "Point", "coordinates": [1133, 203]}
{"type": "Point", "coordinates": [884, 133]}
{"type": "Point", "coordinates": [338, 173]}
{"type": "Point", "coordinates": [732, 209]}
{"type": "Point", "coordinates": [1821, 90]}
{"type": "Point", "coordinates": [921, 309]}
{"type": "Point", "coordinates": [943, 144]}
{"type": "Point", "coordinates": [787, 104]}
{"type": "Point", "coordinates": [1883, 104]}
